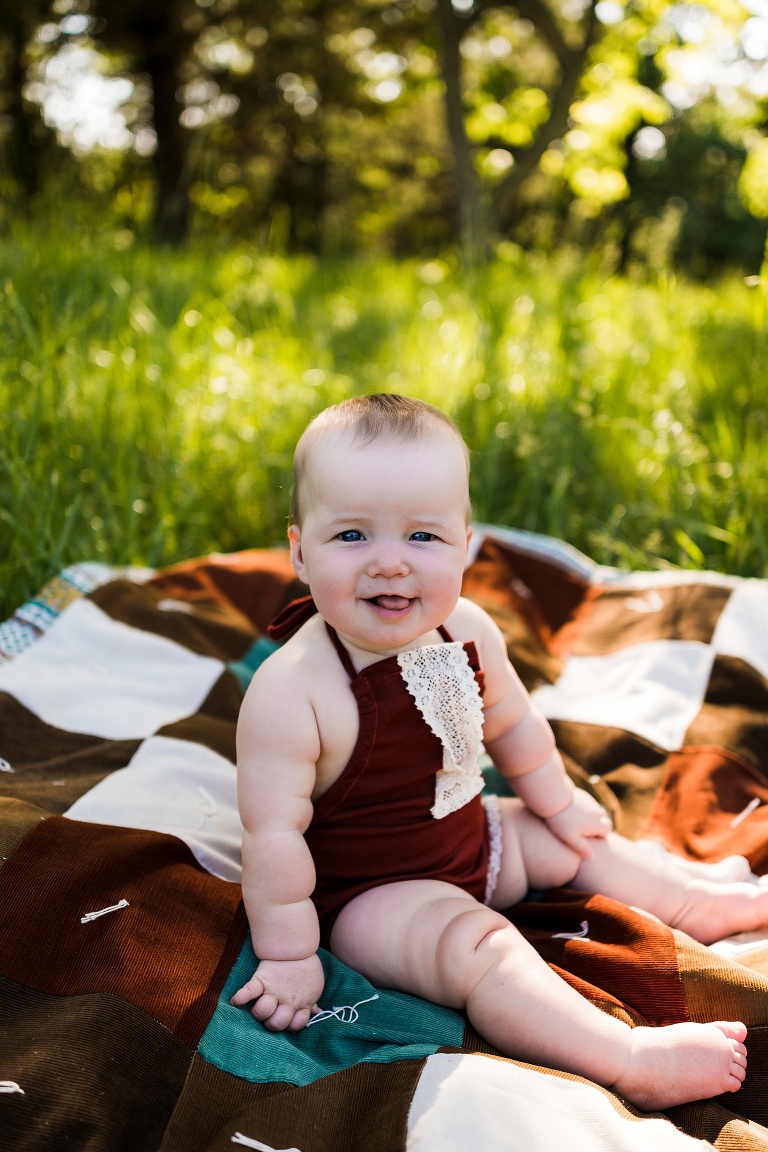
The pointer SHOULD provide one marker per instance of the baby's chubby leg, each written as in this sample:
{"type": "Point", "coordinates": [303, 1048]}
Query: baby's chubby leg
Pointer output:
{"type": "Point", "coordinates": [433, 940]}
{"type": "Point", "coordinates": [706, 909]}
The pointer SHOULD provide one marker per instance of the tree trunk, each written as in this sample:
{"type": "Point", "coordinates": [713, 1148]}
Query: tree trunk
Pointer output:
{"type": "Point", "coordinates": [23, 147]}
{"type": "Point", "coordinates": [469, 222]}
{"type": "Point", "coordinates": [161, 59]}
{"type": "Point", "coordinates": [572, 61]}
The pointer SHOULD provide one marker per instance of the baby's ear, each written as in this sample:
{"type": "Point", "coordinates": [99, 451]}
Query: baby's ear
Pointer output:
{"type": "Point", "coordinates": [297, 559]}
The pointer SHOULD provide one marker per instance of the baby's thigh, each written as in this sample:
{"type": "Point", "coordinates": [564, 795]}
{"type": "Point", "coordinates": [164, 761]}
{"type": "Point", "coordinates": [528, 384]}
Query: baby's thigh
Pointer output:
{"type": "Point", "coordinates": [395, 936]}
{"type": "Point", "coordinates": [531, 855]}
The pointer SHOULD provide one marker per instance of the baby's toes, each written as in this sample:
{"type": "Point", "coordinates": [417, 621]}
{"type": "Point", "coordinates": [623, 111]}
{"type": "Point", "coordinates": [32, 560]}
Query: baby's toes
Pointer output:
{"type": "Point", "coordinates": [734, 1030]}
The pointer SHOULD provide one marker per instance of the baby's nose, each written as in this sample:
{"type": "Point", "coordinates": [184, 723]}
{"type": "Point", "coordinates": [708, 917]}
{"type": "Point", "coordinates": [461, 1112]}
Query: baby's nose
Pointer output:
{"type": "Point", "coordinates": [388, 560]}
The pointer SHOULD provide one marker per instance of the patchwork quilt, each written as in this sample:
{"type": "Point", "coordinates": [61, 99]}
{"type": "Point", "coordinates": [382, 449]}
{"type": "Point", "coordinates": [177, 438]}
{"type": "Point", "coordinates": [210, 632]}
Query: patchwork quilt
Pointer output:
{"type": "Point", "coordinates": [122, 930]}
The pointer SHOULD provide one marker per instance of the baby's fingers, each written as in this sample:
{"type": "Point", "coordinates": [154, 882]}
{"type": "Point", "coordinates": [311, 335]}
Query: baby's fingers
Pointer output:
{"type": "Point", "coordinates": [264, 1007]}
{"type": "Point", "coordinates": [250, 991]}
{"type": "Point", "coordinates": [582, 847]}
{"type": "Point", "coordinates": [300, 1020]}
{"type": "Point", "coordinates": [280, 1019]}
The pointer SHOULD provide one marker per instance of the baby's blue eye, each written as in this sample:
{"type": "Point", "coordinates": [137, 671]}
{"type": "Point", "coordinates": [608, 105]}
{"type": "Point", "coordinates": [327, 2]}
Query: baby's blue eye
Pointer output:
{"type": "Point", "coordinates": [422, 537]}
{"type": "Point", "coordinates": [351, 536]}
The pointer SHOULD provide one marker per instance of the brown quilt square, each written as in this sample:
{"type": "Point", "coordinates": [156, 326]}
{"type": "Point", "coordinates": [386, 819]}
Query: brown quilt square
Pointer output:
{"type": "Point", "coordinates": [168, 952]}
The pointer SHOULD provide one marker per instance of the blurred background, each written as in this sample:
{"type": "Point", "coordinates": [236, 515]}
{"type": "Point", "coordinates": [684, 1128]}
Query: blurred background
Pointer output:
{"type": "Point", "coordinates": [218, 216]}
{"type": "Point", "coordinates": [397, 128]}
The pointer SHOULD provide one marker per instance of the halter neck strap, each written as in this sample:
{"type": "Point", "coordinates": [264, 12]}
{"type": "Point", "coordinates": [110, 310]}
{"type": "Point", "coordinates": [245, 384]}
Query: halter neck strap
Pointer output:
{"type": "Point", "coordinates": [345, 658]}
{"type": "Point", "coordinates": [291, 618]}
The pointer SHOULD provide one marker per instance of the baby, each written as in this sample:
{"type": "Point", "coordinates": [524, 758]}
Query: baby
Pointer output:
{"type": "Point", "coordinates": [359, 789]}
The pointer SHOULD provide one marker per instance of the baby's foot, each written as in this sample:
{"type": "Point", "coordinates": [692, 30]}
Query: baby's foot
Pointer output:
{"type": "Point", "coordinates": [683, 1062]}
{"type": "Point", "coordinates": [711, 911]}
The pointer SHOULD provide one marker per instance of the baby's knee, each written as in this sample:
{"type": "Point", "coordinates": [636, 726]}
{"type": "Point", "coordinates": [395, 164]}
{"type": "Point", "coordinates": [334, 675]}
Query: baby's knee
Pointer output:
{"type": "Point", "coordinates": [465, 951]}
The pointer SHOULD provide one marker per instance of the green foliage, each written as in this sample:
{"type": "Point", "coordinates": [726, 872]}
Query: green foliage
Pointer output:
{"type": "Point", "coordinates": [151, 401]}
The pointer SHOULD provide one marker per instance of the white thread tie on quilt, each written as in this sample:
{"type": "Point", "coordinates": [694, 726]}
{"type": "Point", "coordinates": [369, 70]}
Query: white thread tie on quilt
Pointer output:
{"type": "Point", "coordinates": [103, 911]}
{"type": "Point", "coordinates": [249, 1142]}
{"type": "Point", "coordinates": [5, 766]}
{"type": "Point", "coordinates": [574, 935]}
{"type": "Point", "coordinates": [347, 1013]}
{"type": "Point", "coordinates": [175, 606]}
{"type": "Point", "coordinates": [754, 803]}
{"type": "Point", "coordinates": [8, 1087]}
{"type": "Point", "coordinates": [208, 806]}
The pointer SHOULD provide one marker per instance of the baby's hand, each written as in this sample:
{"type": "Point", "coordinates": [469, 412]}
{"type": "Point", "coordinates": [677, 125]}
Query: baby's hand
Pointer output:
{"type": "Point", "coordinates": [285, 993]}
{"type": "Point", "coordinates": [583, 820]}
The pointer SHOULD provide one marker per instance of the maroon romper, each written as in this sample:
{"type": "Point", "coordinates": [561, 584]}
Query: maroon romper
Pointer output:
{"type": "Point", "coordinates": [374, 825]}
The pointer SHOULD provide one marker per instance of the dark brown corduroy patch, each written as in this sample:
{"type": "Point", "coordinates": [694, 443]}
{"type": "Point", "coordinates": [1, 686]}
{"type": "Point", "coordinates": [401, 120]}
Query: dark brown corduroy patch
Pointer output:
{"type": "Point", "coordinates": [720, 989]}
{"type": "Point", "coordinates": [609, 619]}
{"type": "Point", "coordinates": [208, 1100]}
{"type": "Point", "coordinates": [216, 733]}
{"type": "Point", "coordinates": [706, 1120]}
{"type": "Point", "coordinates": [628, 958]}
{"type": "Point", "coordinates": [362, 1109]}
{"type": "Point", "coordinates": [16, 819]}
{"type": "Point", "coordinates": [733, 715]}
{"type": "Point", "coordinates": [169, 952]}
{"type": "Point", "coordinates": [533, 662]}
{"type": "Point", "coordinates": [735, 728]}
{"type": "Point", "coordinates": [53, 768]}
{"type": "Point", "coordinates": [544, 594]}
{"type": "Point", "coordinates": [258, 582]}
{"type": "Point", "coordinates": [704, 790]}
{"type": "Point", "coordinates": [630, 769]}
{"type": "Point", "coordinates": [208, 629]}
{"type": "Point", "coordinates": [215, 722]}
{"type": "Point", "coordinates": [97, 1073]}
{"type": "Point", "coordinates": [751, 1101]}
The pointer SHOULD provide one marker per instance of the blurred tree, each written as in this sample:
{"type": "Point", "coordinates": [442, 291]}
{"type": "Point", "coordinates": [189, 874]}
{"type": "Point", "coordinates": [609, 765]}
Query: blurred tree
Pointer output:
{"type": "Point", "coordinates": [156, 38]}
{"type": "Point", "coordinates": [21, 129]}
{"type": "Point", "coordinates": [403, 125]}
{"type": "Point", "coordinates": [568, 42]}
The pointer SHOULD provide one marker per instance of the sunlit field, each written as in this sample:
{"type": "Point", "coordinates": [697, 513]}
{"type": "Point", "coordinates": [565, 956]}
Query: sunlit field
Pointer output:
{"type": "Point", "coordinates": [151, 399]}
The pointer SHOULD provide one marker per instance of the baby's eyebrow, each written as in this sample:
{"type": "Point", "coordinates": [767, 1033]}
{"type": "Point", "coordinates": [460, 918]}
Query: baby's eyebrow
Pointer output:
{"type": "Point", "coordinates": [352, 518]}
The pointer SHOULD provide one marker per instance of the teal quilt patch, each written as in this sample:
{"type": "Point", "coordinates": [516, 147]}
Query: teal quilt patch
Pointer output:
{"type": "Point", "coordinates": [364, 1025]}
{"type": "Point", "coordinates": [256, 655]}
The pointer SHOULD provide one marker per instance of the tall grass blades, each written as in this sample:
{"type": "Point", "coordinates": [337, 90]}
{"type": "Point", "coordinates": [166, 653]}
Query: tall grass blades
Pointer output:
{"type": "Point", "coordinates": [151, 400]}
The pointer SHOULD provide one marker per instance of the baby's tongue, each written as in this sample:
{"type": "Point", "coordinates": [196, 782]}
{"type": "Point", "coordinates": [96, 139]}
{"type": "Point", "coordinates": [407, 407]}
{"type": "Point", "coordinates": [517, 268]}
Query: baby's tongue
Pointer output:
{"type": "Point", "coordinates": [393, 603]}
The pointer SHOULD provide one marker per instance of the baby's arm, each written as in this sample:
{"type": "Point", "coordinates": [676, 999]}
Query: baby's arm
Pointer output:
{"type": "Point", "coordinates": [277, 749]}
{"type": "Point", "coordinates": [521, 744]}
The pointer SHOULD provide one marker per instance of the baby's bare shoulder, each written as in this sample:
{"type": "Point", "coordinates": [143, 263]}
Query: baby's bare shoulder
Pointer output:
{"type": "Point", "coordinates": [277, 726]}
{"type": "Point", "coordinates": [294, 678]}
{"type": "Point", "coordinates": [469, 621]}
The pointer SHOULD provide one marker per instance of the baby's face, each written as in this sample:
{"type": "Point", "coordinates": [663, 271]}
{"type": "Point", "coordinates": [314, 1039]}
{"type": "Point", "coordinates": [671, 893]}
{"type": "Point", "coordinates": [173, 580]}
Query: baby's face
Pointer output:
{"type": "Point", "coordinates": [384, 539]}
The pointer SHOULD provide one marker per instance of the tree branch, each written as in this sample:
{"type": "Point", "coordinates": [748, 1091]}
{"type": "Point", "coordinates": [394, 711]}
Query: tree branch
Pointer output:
{"type": "Point", "coordinates": [471, 231]}
{"type": "Point", "coordinates": [572, 62]}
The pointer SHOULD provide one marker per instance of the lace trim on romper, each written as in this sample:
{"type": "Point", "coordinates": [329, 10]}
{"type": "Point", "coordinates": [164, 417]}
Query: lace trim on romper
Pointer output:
{"type": "Point", "coordinates": [495, 844]}
{"type": "Point", "coordinates": [440, 679]}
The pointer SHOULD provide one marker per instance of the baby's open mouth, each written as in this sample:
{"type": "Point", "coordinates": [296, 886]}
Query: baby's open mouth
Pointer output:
{"type": "Point", "coordinates": [390, 603]}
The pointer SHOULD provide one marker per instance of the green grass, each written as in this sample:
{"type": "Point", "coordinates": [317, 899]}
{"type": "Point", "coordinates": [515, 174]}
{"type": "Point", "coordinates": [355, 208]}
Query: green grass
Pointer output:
{"type": "Point", "coordinates": [150, 400]}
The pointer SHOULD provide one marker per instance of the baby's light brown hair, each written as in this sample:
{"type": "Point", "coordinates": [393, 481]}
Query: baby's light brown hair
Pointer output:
{"type": "Point", "coordinates": [366, 419]}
